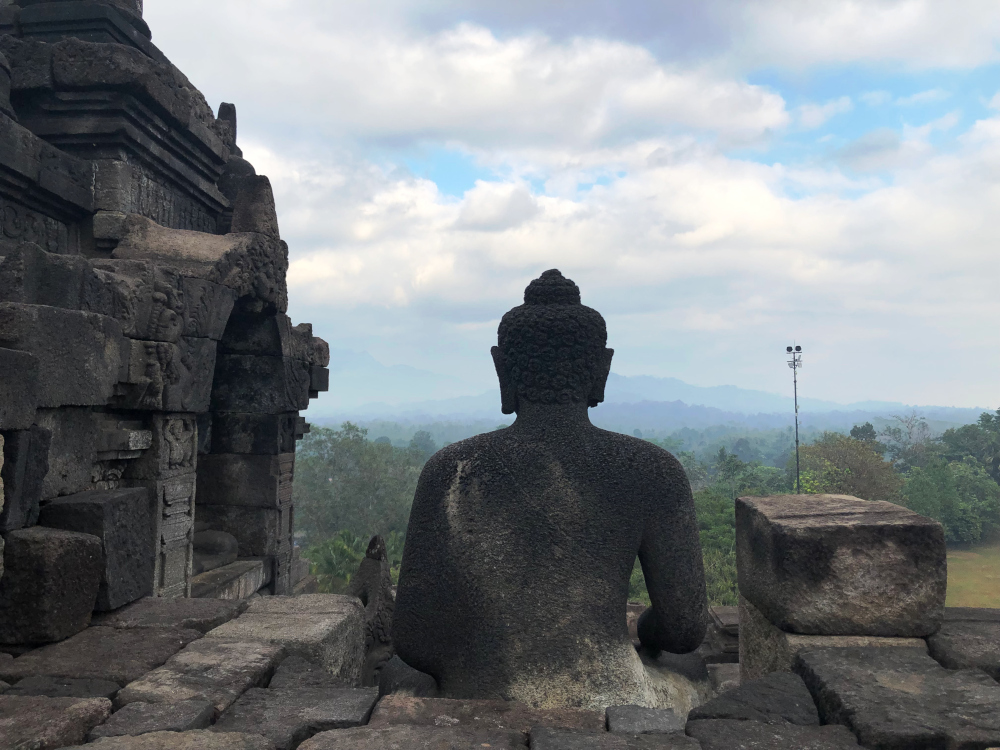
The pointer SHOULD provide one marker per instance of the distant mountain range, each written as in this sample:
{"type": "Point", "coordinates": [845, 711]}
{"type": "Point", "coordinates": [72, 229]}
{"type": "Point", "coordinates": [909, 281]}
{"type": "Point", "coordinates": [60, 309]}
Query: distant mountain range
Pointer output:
{"type": "Point", "coordinates": [361, 388]}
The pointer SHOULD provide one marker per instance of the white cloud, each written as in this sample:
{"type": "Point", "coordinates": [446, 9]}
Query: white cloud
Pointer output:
{"type": "Point", "coordinates": [875, 98]}
{"type": "Point", "coordinates": [812, 116]}
{"type": "Point", "coordinates": [930, 96]}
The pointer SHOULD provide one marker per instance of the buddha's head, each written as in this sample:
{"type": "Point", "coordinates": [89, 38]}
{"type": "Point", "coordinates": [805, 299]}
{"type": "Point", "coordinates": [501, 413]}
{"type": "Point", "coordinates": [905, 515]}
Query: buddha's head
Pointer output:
{"type": "Point", "coordinates": [551, 349]}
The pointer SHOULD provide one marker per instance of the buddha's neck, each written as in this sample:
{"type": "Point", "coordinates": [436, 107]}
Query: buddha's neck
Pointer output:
{"type": "Point", "coordinates": [551, 418]}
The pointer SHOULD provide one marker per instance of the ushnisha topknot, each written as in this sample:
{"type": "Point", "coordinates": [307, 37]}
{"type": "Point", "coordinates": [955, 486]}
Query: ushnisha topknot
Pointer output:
{"type": "Point", "coordinates": [552, 288]}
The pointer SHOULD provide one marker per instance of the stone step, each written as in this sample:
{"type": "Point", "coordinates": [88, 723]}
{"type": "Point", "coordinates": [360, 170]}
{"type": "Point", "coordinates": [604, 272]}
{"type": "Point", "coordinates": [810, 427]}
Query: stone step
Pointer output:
{"type": "Point", "coordinates": [38, 722]}
{"type": "Point", "coordinates": [157, 612]}
{"type": "Point", "coordinates": [238, 580]}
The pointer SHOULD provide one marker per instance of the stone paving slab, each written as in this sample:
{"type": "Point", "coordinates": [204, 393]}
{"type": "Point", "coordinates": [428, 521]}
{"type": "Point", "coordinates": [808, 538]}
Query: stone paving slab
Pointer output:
{"type": "Point", "coordinates": [196, 740]}
{"type": "Point", "coordinates": [546, 738]}
{"type": "Point", "coordinates": [481, 714]}
{"type": "Point", "coordinates": [409, 737]}
{"type": "Point", "coordinates": [900, 698]}
{"type": "Point", "coordinates": [325, 628]}
{"type": "Point", "coordinates": [289, 716]}
{"type": "Point", "coordinates": [38, 723]}
{"type": "Point", "coordinates": [143, 718]}
{"type": "Point", "coordinates": [197, 614]}
{"type": "Point", "coordinates": [968, 639]}
{"type": "Point", "coordinates": [209, 669]}
{"type": "Point", "coordinates": [102, 654]}
{"type": "Point", "coordinates": [296, 672]}
{"type": "Point", "coordinates": [65, 687]}
{"type": "Point", "coordinates": [639, 720]}
{"type": "Point", "coordinates": [777, 698]}
{"type": "Point", "coordinates": [733, 734]}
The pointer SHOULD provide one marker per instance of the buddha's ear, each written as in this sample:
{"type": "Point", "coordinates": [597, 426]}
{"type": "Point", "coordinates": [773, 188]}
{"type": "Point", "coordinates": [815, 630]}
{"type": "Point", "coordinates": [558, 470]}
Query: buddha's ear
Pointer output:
{"type": "Point", "coordinates": [508, 396]}
{"type": "Point", "coordinates": [600, 378]}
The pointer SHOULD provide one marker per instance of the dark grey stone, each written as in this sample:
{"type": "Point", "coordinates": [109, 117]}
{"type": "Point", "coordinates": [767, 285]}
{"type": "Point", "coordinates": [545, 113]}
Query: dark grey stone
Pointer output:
{"type": "Point", "coordinates": [50, 583]}
{"type": "Point", "coordinates": [261, 532]}
{"type": "Point", "coordinates": [207, 307]}
{"type": "Point", "coordinates": [264, 434]}
{"type": "Point", "coordinates": [268, 385]}
{"type": "Point", "coordinates": [25, 464]}
{"type": "Point", "coordinates": [546, 738]}
{"type": "Point", "coordinates": [901, 698]}
{"type": "Point", "coordinates": [372, 584]}
{"type": "Point", "coordinates": [243, 480]}
{"type": "Point", "coordinates": [143, 718]}
{"type": "Point", "coordinates": [213, 549]}
{"type": "Point", "coordinates": [732, 734]}
{"type": "Point", "coordinates": [18, 389]}
{"type": "Point", "coordinates": [639, 720]}
{"type": "Point", "coordinates": [969, 638]}
{"type": "Point", "coordinates": [775, 698]}
{"type": "Point", "coordinates": [65, 687]}
{"type": "Point", "coordinates": [254, 209]}
{"type": "Point", "coordinates": [34, 721]}
{"type": "Point", "coordinates": [75, 436]}
{"type": "Point", "coordinates": [122, 520]}
{"type": "Point", "coordinates": [399, 677]}
{"type": "Point", "coordinates": [296, 673]}
{"type": "Point", "coordinates": [289, 716]}
{"type": "Point", "coordinates": [574, 550]}
{"type": "Point", "coordinates": [415, 738]}
{"type": "Point", "coordinates": [101, 653]}
{"type": "Point", "coordinates": [837, 565]}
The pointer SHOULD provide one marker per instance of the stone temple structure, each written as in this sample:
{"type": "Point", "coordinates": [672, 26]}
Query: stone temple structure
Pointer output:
{"type": "Point", "coordinates": [150, 380]}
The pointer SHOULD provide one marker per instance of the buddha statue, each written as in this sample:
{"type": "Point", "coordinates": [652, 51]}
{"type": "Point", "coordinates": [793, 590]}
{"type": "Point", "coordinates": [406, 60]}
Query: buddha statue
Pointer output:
{"type": "Point", "coordinates": [521, 541]}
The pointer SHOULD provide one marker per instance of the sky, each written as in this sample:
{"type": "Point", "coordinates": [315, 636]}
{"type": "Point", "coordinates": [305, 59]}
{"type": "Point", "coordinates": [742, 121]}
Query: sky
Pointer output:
{"type": "Point", "coordinates": [721, 178]}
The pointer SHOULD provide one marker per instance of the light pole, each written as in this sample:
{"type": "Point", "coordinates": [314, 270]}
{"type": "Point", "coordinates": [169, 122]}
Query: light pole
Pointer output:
{"type": "Point", "coordinates": [795, 363]}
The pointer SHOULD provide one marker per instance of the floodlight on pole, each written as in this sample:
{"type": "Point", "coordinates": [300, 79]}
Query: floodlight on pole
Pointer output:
{"type": "Point", "coordinates": [795, 363]}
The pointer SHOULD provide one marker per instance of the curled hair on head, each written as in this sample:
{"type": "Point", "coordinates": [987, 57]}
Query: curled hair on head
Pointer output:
{"type": "Point", "coordinates": [552, 345]}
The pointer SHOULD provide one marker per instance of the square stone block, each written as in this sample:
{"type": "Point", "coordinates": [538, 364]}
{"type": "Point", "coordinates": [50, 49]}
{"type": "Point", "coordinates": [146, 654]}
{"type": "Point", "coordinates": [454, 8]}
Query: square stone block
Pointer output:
{"type": "Point", "coordinates": [18, 389]}
{"type": "Point", "coordinates": [968, 639]}
{"type": "Point", "coordinates": [245, 480]}
{"type": "Point", "coordinates": [156, 612]}
{"type": "Point", "coordinates": [548, 738]}
{"type": "Point", "coordinates": [262, 434]}
{"type": "Point", "coordinates": [765, 648]}
{"type": "Point", "coordinates": [50, 584]}
{"type": "Point", "coordinates": [197, 739]}
{"type": "Point", "coordinates": [121, 519]}
{"type": "Point", "coordinates": [43, 723]}
{"type": "Point", "coordinates": [236, 581]}
{"type": "Point", "coordinates": [25, 463]}
{"type": "Point", "coordinates": [260, 384]}
{"type": "Point", "coordinates": [415, 738]}
{"type": "Point", "coordinates": [837, 565]}
{"type": "Point", "coordinates": [142, 718]}
{"type": "Point", "coordinates": [325, 628]}
{"type": "Point", "coordinates": [260, 532]}
{"type": "Point", "coordinates": [732, 734]}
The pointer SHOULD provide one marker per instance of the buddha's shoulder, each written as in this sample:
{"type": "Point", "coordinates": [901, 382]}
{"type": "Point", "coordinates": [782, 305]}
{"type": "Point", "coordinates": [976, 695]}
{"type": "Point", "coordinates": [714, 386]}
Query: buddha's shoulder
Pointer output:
{"type": "Point", "coordinates": [642, 453]}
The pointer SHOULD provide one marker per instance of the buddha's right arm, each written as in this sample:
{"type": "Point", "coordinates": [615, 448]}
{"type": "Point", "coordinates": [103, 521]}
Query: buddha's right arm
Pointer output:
{"type": "Point", "coordinates": [670, 554]}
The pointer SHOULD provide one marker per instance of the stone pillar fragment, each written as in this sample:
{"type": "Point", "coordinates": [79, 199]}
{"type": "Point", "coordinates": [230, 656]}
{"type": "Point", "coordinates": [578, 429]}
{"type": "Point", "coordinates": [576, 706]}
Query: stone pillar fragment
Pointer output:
{"type": "Point", "coordinates": [26, 462]}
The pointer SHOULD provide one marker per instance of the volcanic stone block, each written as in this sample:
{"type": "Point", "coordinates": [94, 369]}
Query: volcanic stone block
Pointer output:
{"type": "Point", "coordinates": [235, 581]}
{"type": "Point", "coordinates": [79, 353]}
{"type": "Point", "coordinates": [639, 720]}
{"type": "Point", "coordinates": [262, 384]}
{"type": "Point", "coordinates": [213, 549]}
{"type": "Point", "coordinates": [414, 738]}
{"type": "Point", "coordinates": [297, 673]}
{"type": "Point", "coordinates": [143, 718]}
{"type": "Point", "coordinates": [207, 307]}
{"type": "Point", "coordinates": [263, 434]}
{"type": "Point", "coordinates": [260, 532]}
{"type": "Point", "coordinates": [75, 436]}
{"type": "Point", "coordinates": [776, 698]}
{"type": "Point", "coordinates": [121, 519]}
{"type": "Point", "coordinates": [245, 480]}
{"type": "Point", "coordinates": [481, 714]}
{"type": "Point", "coordinates": [837, 565]}
{"type": "Point", "coordinates": [43, 723]}
{"type": "Point", "coordinates": [319, 379]}
{"type": "Point", "coordinates": [325, 628]}
{"type": "Point", "coordinates": [200, 739]}
{"type": "Point", "coordinates": [65, 687]}
{"type": "Point", "coordinates": [25, 464]}
{"type": "Point", "coordinates": [546, 738]}
{"type": "Point", "coordinates": [174, 450]}
{"type": "Point", "coordinates": [254, 208]}
{"type": "Point", "coordinates": [211, 669]}
{"type": "Point", "coordinates": [50, 583]}
{"type": "Point", "coordinates": [154, 612]}
{"type": "Point", "coordinates": [396, 676]}
{"type": "Point", "coordinates": [264, 334]}
{"type": "Point", "coordinates": [100, 653]}
{"type": "Point", "coordinates": [18, 389]}
{"type": "Point", "coordinates": [901, 698]}
{"type": "Point", "coordinates": [968, 639]}
{"type": "Point", "coordinates": [764, 648]}
{"type": "Point", "coordinates": [287, 717]}
{"type": "Point", "coordinates": [730, 734]}
{"type": "Point", "coordinates": [724, 676]}
{"type": "Point", "coordinates": [168, 377]}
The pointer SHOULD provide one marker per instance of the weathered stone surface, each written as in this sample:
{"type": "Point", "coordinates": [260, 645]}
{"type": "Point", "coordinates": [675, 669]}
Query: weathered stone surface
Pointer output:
{"type": "Point", "coordinates": [4, 687]}
{"type": "Point", "coordinates": [837, 565]}
{"type": "Point", "coordinates": [210, 669]}
{"type": "Point", "coordinates": [120, 656]}
{"type": "Point", "coordinates": [42, 723]}
{"type": "Point", "coordinates": [264, 434]}
{"type": "Point", "coordinates": [201, 739]}
{"type": "Point", "coordinates": [325, 628]}
{"type": "Point", "coordinates": [399, 677]}
{"type": "Point", "coordinates": [372, 584]}
{"type": "Point", "coordinates": [65, 687]}
{"type": "Point", "coordinates": [544, 738]}
{"type": "Point", "coordinates": [122, 520]}
{"type": "Point", "coordinates": [481, 714]}
{"type": "Point", "coordinates": [213, 549]}
{"type": "Point", "coordinates": [289, 716]}
{"type": "Point", "coordinates": [25, 464]}
{"type": "Point", "coordinates": [260, 532]}
{"type": "Point", "coordinates": [778, 697]}
{"type": "Point", "coordinates": [143, 718]}
{"type": "Point", "coordinates": [75, 435]}
{"type": "Point", "coordinates": [968, 639]}
{"type": "Point", "coordinates": [168, 376]}
{"type": "Point", "coordinates": [764, 648]}
{"type": "Point", "coordinates": [724, 677]}
{"type": "Point", "coordinates": [731, 734]}
{"type": "Point", "coordinates": [271, 385]}
{"type": "Point", "coordinates": [18, 389]}
{"type": "Point", "coordinates": [154, 612]}
{"type": "Point", "coordinates": [79, 353]}
{"type": "Point", "coordinates": [233, 582]}
{"type": "Point", "coordinates": [414, 738]}
{"type": "Point", "coordinates": [298, 673]}
{"type": "Point", "coordinates": [639, 720]}
{"type": "Point", "coordinates": [901, 698]}
{"type": "Point", "coordinates": [243, 480]}
{"type": "Point", "coordinates": [50, 583]}
{"type": "Point", "coordinates": [254, 209]}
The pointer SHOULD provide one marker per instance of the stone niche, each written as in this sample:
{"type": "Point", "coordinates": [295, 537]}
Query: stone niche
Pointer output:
{"type": "Point", "coordinates": [151, 380]}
